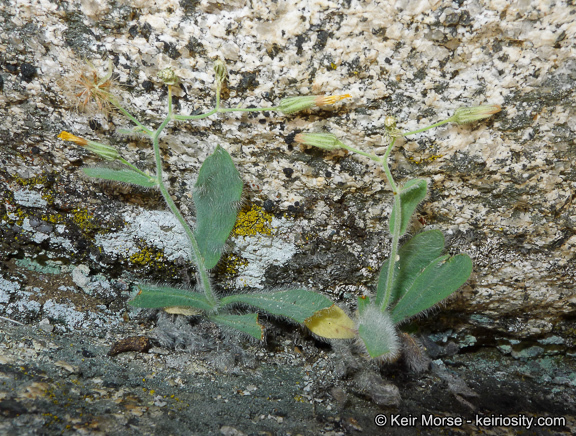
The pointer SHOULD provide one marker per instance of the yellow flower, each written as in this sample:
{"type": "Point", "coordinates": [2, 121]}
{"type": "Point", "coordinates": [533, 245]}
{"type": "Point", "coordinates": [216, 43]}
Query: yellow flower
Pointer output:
{"type": "Point", "coordinates": [105, 151]}
{"type": "Point", "coordinates": [73, 138]}
{"type": "Point", "coordinates": [322, 100]}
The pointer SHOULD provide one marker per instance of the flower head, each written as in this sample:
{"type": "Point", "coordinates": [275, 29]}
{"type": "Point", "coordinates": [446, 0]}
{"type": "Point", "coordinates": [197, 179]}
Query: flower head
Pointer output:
{"type": "Point", "coordinates": [390, 126]}
{"type": "Point", "coordinates": [466, 115]}
{"type": "Point", "coordinates": [105, 151]}
{"type": "Point", "coordinates": [327, 141]}
{"type": "Point", "coordinates": [65, 136]}
{"type": "Point", "coordinates": [322, 100]}
{"type": "Point", "coordinates": [295, 104]}
{"type": "Point", "coordinates": [91, 91]}
{"type": "Point", "coordinates": [168, 76]}
{"type": "Point", "coordinates": [220, 70]}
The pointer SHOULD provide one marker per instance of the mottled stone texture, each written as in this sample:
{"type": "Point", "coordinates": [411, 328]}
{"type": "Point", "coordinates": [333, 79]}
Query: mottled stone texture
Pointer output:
{"type": "Point", "coordinates": [501, 191]}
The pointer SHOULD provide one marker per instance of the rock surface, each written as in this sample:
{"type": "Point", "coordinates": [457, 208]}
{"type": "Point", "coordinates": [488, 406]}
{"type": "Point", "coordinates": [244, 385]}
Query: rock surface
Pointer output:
{"type": "Point", "coordinates": [502, 191]}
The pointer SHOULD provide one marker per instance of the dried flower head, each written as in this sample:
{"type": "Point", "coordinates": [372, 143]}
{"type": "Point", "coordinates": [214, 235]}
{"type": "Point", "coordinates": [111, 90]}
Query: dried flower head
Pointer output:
{"type": "Point", "coordinates": [90, 91]}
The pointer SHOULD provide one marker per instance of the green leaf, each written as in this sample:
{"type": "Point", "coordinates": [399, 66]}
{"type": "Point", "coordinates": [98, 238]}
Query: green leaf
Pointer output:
{"type": "Point", "coordinates": [154, 297]}
{"type": "Point", "coordinates": [415, 255]}
{"type": "Point", "coordinates": [247, 323]}
{"type": "Point", "coordinates": [438, 280]}
{"type": "Point", "coordinates": [124, 175]}
{"type": "Point", "coordinates": [216, 196]}
{"type": "Point", "coordinates": [363, 303]}
{"type": "Point", "coordinates": [296, 304]}
{"type": "Point", "coordinates": [375, 346]}
{"type": "Point", "coordinates": [378, 333]}
{"type": "Point", "coordinates": [411, 194]}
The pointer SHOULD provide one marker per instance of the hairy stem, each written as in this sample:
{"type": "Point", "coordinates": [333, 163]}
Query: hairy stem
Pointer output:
{"type": "Point", "coordinates": [134, 168]}
{"type": "Point", "coordinates": [198, 259]}
{"type": "Point", "coordinates": [383, 300]}
{"type": "Point", "coordinates": [131, 118]}
{"type": "Point", "coordinates": [423, 129]}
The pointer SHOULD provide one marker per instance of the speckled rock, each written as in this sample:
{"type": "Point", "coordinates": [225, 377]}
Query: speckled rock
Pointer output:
{"type": "Point", "coordinates": [502, 191]}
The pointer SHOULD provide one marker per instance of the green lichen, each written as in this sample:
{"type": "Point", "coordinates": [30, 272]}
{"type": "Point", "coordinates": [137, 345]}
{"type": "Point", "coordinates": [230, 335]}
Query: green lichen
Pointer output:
{"type": "Point", "coordinates": [32, 265]}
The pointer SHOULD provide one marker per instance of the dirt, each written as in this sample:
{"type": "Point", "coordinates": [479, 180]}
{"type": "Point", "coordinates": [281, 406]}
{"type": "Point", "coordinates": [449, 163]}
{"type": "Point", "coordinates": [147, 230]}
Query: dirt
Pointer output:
{"type": "Point", "coordinates": [199, 380]}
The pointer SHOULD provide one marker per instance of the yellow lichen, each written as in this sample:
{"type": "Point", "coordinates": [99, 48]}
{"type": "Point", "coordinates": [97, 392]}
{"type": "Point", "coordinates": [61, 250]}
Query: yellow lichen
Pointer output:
{"type": "Point", "coordinates": [430, 158]}
{"type": "Point", "coordinates": [231, 264]}
{"type": "Point", "coordinates": [253, 221]}
{"type": "Point", "coordinates": [147, 256]}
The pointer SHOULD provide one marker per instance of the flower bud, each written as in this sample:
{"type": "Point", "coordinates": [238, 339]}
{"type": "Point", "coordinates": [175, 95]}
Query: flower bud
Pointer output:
{"type": "Point", "coordinates": [327, 141]}
{"type": "Point", "coordinates": [220, 70]}
{"type": "Point", "coordinates": [390, 122]}
{"type": "Point", "coordinates": [65, 136]}
{"type": "Point", "coordinates": [168, 76]}
{"type": "Point", "coordinates": [295, 104]}
{"type": "Point", "coordinates": [105, 151]}
{"type": "Point", "coordinates": [390, 126]}
{"type": "Point", "coordinates": [466, 115]}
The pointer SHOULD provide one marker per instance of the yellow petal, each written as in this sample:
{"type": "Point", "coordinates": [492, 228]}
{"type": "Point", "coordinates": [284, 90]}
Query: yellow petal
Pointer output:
{"type": "Point", "coordinates": [332, 323]}
{"type": "Point", "coordinates": [70, 137]}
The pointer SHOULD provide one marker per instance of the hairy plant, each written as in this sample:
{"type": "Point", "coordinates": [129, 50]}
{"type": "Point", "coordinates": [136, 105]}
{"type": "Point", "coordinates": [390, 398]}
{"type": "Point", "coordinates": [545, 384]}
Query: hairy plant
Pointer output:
{"type": "Point", "coordinates": [415, 277]}
{"type": "Point", "coordinates": [216, 197]}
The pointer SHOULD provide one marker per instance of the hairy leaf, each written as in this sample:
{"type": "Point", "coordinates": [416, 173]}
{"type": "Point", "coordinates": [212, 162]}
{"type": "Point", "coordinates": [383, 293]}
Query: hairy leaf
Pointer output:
{"type": "Point", "coordinates": [216, 196]}
{"type": "Point", "coordinates": [363, 302]}
{"type": "Point", "coordinates": [415, 255]}
{"type": "Point", "coordinates": [123, 175]}
{"type": "Point", "coordinates": [331, 323]}
{"type": "Point", "coordinates": [247, 323]}
{"type": "Point", "coordinates": [411, 194]}
{"type": "Point", "coordinates": [378, 333]}
{"type": "Point", "coordinates": [296, 304]}
{"type": "Point", "coordinates": [155, 297]}
{"type": "Point", "coordinates": [436, 282]}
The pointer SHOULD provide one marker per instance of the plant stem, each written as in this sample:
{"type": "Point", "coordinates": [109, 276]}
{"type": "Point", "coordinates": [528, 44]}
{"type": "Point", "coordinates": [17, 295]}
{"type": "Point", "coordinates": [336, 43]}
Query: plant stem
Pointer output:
{"type": "Point", "coordinates": [134, 120]}
{"type": "Point", "coordinates": [252, 109]}
{"type": "Point", "coordinates": [199, 260]}
{"type": "Point", "coordinates": [194, 117]}
{"type": "Point", "coordinates": [428, 128]}
{"type": "Point", "coordinates": [125, 162]}
{"type": "Point", "coordinates": [383, 300]}
{"type": "Point", "coordinates": [11, 320]}
{"type": "Point", "coordinates": [223, 110]}
{"type": "Point", "coordinates": [360, 152]}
